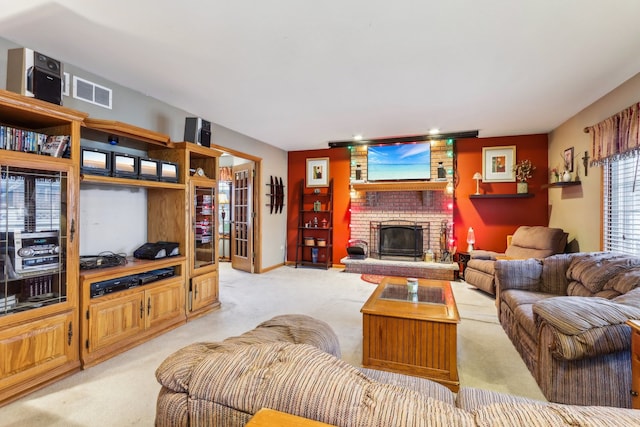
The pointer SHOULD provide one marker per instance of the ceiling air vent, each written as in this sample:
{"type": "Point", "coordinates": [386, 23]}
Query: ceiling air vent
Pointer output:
{"type": "Point", "coordinates": [92, 92]}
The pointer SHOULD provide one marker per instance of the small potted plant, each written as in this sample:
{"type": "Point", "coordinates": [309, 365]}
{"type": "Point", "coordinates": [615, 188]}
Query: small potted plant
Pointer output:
{"type": "Point", "coordinates": [524, 170]}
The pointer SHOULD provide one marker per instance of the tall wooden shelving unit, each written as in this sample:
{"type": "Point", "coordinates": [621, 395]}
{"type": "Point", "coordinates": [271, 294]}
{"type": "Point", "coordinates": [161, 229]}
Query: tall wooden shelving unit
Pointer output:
{"type": "Point", "coordinates": [115, 322]}
{"type": "Point", "coordinates": [314, 245]}
{"type": "Point", "coordinates": [199, 169]}
{"type": "Point", "coordinates": [39, 325]}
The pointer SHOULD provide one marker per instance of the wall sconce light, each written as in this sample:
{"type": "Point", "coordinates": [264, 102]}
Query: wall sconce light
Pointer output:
{"type": "Point", "coordinates": [471, 239]}
{"type": "Point", "coordinates": [477, 176]}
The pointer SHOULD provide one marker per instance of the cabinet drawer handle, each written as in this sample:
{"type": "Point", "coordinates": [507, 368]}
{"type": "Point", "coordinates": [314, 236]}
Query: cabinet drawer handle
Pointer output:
{"type": "Point", "coordinates": [633, 393]}
{"type": "Point", "coordinates": [149, 306]}
{"type": "Point", "coordinates": [141, 310]}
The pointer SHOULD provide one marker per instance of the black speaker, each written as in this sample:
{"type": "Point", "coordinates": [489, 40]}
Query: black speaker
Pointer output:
{"type": "Point", "coordinates": [46, 78]}
{"type": "Point", "coordinates": [198, 131]}
{"type": "Point", "coordinates": [45, 86]}
{"type": "Point", "coordinates": [33, 74]}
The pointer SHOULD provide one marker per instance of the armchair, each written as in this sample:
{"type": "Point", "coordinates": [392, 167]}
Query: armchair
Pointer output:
{"type": "Point", "coordinates": [527, 242]}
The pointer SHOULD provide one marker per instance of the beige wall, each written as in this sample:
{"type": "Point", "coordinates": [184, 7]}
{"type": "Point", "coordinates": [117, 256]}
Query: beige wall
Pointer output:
{"type": "Point", "coordinates": [577, 210]}
{"type": "Point", "coordinates": [141, 110]}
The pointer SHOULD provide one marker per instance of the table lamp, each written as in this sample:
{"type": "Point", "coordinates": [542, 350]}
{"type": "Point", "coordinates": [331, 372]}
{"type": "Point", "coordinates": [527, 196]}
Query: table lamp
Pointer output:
{"type": "Point", "coordinates": [477, 176]}
{"type": "Point", "coordinates": [471, 239]}
{"type": "Point", "coordinates": [223, 200]}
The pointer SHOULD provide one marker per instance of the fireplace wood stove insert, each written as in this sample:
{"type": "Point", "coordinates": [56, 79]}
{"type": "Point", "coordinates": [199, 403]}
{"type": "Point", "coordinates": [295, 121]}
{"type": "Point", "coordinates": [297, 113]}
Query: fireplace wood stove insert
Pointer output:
{"type": "Point", "coordinates": [397, 238]}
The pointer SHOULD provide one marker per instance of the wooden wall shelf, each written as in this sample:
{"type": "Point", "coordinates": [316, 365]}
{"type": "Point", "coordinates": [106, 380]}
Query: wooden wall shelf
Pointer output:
{"type": "Point", "coordinates": [400, 186]}
{"type": "Point", "coordinates": [501, 196]}
{"type": "Point", "coordinates": [562, 184]}
{"type": "Point", "coordinates": [108, 180]}
{"type": "Point", "coordinates": [128, 131]}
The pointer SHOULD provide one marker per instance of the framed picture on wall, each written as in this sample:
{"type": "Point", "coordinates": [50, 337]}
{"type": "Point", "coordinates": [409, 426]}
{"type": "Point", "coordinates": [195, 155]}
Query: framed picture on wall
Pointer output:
{"type": "Point", "coordinates": [568, 159]}
{"type": "Point", "coordinates": [497, 164]}
{"type": "Point", "coordinates": [318, 172]}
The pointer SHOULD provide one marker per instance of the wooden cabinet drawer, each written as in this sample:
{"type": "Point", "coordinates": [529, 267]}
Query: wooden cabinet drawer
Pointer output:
{"type": "Point", "coordinates": [635, 363]}
{"type": "Point", "coordinates": [115, 319]}
{"type": "Point", "coordinates": [204, 291]}
{"type": "Point", "coordinates": [37, 348]}
{"type": "Point", "coordinates": [635, 341]}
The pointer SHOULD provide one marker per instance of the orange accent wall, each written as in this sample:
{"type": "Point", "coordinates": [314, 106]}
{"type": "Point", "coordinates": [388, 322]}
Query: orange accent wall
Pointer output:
{"type": "Point", "coordinates": [493, 219]}
{"type": "Point", "coordinates": [339, 171]}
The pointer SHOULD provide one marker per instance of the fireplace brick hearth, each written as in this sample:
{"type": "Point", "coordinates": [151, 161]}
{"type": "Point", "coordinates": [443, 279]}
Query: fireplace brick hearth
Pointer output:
{"type": "Point", "coordinates": [421, 269]}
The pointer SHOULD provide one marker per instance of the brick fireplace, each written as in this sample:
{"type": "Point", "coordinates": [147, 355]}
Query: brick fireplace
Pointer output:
{"type": "Point", "coordinates": [434, 207]}
{"type": "Point", "coordinates": [403, 202]}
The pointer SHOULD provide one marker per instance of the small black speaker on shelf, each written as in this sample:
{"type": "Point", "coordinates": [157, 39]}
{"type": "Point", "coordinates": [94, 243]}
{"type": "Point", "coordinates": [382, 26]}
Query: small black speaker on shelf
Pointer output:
{"type": "Point", "coordinates": [34, 74]}
{"type": "Point", "coordinates": [198, 131]}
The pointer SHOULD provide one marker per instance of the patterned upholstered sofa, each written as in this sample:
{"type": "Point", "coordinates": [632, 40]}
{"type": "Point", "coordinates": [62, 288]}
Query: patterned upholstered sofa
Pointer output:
{"type": "Point", "coordinates": [225, 384]}
{"type": "Point", "coordinates": [566, 315]}
{"type": "Point", "coordinates": [526, 242]}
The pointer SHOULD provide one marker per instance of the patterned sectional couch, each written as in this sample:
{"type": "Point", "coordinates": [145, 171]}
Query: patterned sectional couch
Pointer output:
{"type": "Point", "coordinates": [224, 384]}
{"type": "Point", "coordinates": [566, 315]}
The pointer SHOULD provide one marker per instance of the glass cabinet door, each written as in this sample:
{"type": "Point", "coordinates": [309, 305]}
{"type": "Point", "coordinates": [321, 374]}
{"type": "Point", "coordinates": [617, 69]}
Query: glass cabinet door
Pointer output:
{"type": "Point", "coordinates": [33, 238]}
{"type": "Point", "coordinates": [204, 226]}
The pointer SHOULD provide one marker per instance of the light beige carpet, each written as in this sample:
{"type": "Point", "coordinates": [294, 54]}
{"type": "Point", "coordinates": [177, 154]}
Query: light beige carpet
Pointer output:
{"type": "Point", "coordinates": [122, 391]}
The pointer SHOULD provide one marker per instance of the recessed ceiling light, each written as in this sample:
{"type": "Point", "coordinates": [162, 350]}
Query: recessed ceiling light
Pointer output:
{"type": "Point", "coordinates": [434, 131]}
{"type": "Point", "coordinates": [357, 137]}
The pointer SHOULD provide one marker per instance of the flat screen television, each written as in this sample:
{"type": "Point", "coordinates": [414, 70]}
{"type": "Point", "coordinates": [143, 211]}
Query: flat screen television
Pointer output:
{"type": "Point", "coordinates": [148, 169]}
{"type": "Point", "coordinates": [95, 162]}
{"type": "Point", "coordinates": [124, 166]}
{"type": "Point", "coordinates": [168, 171]}
{"type": "Point", "coordinates": [399, 162]}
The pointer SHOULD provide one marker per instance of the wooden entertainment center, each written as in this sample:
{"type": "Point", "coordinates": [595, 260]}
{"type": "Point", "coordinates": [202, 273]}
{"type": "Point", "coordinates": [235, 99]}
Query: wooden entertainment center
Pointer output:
{"type": "Point", "coordinates": [55, 318]}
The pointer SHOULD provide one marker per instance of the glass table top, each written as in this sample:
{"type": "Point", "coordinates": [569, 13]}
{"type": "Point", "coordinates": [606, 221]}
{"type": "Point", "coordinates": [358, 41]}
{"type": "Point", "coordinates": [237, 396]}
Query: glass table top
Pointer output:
{"type": "Point", "coordinates": [425, 294]}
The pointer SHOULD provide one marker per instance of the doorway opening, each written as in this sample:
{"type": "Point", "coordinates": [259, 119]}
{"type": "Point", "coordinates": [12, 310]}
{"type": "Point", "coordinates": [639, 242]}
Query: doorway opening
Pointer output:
{"type": "Point", "coordinates": [239, 213]}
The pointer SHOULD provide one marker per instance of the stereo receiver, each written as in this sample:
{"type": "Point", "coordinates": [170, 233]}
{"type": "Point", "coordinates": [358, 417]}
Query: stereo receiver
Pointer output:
{"type": "Point", "coordinates": [34, 251]}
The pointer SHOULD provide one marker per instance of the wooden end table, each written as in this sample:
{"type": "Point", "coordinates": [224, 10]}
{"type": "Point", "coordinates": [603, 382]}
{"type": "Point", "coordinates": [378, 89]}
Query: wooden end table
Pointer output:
{"type": "Point", "coordinates": [414, 334]}
{"type": "Point", "coordinates": [462, 258]}
{"type": "Point", "coordinates": [266, 417]}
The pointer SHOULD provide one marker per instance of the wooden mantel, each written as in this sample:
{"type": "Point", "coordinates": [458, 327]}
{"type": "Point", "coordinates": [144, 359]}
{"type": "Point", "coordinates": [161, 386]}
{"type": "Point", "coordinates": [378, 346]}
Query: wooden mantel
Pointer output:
{"type": "Point", "coordinates": [400, 186]}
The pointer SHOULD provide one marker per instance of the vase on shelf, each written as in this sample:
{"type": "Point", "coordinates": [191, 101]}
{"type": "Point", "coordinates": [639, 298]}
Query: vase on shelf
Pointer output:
{"type": "Point", "coordinates": [566, 176]}
{"type": "Point", "coordinates": [522, 188]}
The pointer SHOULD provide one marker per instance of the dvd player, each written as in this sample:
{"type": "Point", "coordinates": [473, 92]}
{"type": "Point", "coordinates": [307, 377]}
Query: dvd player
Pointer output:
{"type": "Point", "coordinates": [104, 287]}
{"type": "Point", "coordinates": [113, 285]}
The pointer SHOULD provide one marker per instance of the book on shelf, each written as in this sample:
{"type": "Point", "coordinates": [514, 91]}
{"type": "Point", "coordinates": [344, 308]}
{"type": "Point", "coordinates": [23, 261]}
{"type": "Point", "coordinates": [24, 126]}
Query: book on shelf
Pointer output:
{"type": "Point", "coordinates": [7, 302]}
{"type": "Point", "coordinates": [55, 146]}
{"type": "Point", "coordinates": [15, 139]}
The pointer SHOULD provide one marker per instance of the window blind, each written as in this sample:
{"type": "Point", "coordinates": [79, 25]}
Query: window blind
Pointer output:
{"type": "Point", "coordinates": [621, 205]}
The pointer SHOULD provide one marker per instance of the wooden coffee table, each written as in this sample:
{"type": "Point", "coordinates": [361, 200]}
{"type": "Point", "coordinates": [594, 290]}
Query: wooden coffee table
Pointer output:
{"type": "Point", "coordinates": [412, 334]}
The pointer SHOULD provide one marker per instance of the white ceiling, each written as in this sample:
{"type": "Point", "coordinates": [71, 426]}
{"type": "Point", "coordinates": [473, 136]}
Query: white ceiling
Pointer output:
{"type": "Point", "coordinates": [299, 73]}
